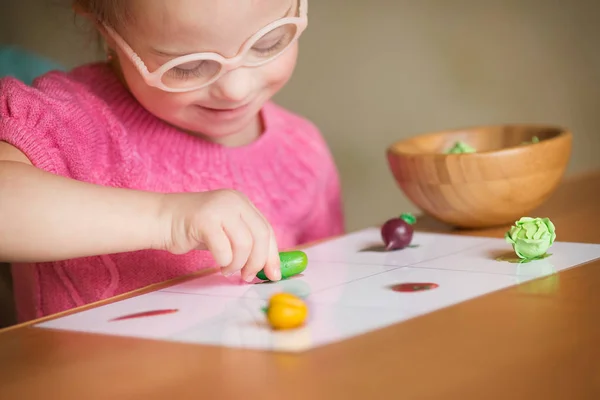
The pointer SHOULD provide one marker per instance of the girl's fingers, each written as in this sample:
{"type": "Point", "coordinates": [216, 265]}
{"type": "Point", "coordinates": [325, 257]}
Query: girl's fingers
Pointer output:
{"type": "Point", "coordinates": [273, 265]}
{"type": "Point", "coordinates": [216, 241]}
{"type": "Point", "coordinates": [261, 233]}
{"type": "Point", "coordinates": [242, 243]}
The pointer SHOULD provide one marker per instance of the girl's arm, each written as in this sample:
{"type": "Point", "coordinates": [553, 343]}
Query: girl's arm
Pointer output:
{"type": "Point", "coordinates": [45, 217]}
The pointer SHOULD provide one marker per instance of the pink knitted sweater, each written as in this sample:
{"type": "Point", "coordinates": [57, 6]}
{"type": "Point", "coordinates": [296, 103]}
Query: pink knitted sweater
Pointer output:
{"type": "Point", "coordinates": [85, 125]}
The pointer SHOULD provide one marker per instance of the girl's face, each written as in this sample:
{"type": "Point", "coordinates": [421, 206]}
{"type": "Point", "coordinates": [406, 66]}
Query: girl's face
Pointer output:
{"type": "Point", "coordinates": [227, 111]}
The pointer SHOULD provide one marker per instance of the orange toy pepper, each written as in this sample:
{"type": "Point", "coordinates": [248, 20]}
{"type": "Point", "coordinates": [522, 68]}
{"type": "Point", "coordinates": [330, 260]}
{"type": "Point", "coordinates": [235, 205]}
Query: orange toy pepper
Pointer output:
{"type": "Point", "coordinates": [286, 311]}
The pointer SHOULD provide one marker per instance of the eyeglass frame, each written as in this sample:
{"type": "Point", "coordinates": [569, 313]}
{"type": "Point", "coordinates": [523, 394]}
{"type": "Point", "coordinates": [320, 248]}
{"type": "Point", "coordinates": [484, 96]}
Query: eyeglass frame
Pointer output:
{"type": "Point", "coordinates": [154, 79]}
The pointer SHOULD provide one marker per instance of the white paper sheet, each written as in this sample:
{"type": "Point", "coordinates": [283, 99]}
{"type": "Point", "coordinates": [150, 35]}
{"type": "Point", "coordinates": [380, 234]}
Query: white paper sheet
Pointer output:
{"type": "Point", "coordinates": [347, 287]}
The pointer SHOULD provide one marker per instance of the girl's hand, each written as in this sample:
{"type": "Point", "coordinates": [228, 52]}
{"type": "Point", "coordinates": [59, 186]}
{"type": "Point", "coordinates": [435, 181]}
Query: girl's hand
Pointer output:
{"type": "Point", "coordinates": [227, 224]}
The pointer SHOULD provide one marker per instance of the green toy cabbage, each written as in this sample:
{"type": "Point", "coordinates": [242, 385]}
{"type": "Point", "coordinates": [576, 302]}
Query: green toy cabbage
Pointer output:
{"type": "Point", "coordinates": [531, 237]}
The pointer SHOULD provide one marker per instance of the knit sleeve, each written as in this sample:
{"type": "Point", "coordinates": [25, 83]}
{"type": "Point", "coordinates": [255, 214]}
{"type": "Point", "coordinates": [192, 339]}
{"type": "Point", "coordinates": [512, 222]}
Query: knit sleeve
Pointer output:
{"type": "Point", "coordinates": [326, 218]}
{"type": "Point", "coordinates": [48, 124]}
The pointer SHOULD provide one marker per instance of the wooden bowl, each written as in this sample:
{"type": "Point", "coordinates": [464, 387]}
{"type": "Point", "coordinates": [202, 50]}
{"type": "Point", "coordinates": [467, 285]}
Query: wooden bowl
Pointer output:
{"type": "Point", "coordinates": [501, 182]}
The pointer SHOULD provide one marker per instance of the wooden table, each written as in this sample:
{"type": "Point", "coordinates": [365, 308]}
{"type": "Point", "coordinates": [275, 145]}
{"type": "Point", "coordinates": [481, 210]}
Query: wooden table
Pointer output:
{"type": "Point", "coordinates": [539, 340]}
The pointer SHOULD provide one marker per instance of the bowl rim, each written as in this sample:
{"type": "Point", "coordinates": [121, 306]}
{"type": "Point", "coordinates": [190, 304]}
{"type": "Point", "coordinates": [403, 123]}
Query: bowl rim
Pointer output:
{"type": "Point", "coordinates": [563, 132]}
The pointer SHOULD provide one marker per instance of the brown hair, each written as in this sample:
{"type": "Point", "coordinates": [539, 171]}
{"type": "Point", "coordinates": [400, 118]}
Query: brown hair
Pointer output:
{"type": "Point", "coordinates": [111, 12]}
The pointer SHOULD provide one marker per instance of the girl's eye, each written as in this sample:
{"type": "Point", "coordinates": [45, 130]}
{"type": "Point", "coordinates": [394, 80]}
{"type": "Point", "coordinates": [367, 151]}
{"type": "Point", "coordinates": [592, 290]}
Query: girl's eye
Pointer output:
{"type": "Point", "coordinates": [184, 73]}
{"type": "Point", "coordinates": [275, 40]}
{"type": "Point", "coordinates": [194, 69]}
{"type": "Point", "coordinates": [270, 46]}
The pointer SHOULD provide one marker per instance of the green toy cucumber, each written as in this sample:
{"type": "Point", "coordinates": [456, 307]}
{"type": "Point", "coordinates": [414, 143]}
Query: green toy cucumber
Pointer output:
{"type": "Point", "coordinates": [292, 263]}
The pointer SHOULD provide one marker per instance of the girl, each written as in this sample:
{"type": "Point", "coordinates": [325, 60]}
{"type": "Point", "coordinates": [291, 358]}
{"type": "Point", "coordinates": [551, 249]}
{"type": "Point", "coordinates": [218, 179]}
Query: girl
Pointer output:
{"type": "Point", "coordinates": [167, 158]}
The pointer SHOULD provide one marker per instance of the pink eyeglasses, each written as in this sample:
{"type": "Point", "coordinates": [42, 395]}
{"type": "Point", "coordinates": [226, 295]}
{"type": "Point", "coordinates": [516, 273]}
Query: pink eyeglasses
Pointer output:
{"type": "Point", "coordinates": [195, 71]}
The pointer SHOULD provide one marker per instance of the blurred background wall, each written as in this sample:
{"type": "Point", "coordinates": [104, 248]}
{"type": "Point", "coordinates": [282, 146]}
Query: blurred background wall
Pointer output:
{"type": "Point", "coordinates": [372, 72]}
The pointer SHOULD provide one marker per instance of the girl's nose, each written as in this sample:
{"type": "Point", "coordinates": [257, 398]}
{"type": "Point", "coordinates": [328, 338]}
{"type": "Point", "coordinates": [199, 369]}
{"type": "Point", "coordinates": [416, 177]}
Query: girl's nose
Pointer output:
{"type": "Point", "coordinates": [233, 87]}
